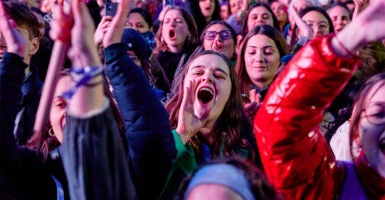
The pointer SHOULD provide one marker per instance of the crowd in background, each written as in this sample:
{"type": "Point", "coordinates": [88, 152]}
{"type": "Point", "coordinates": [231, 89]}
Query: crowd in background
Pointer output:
{"type": "Point", "coordinates": [193, 99]}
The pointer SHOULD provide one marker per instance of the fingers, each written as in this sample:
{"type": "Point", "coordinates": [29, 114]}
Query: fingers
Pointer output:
{"type": "Point", "coordinates": [115, 31]}
{"type": "Point", "coordinates": [188, 97]}
{"type": "Point", "coordinates": [258, 100]}
{"type": "Point", "coordinates": [120, 18]}
{"type": "Point", "coordinates": [4, 25]}
{"type": "Point", "coordinates": [61, 23]}
{"type": "Point", "coordinates": [102, 29]}
{"type": "Point", "coordinates": [252, 95]}
{"type": "Point", "coordinates": [14, 40]}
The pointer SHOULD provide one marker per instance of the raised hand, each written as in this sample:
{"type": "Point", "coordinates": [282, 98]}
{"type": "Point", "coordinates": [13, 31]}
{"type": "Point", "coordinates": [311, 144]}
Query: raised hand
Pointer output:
{"type": "Point", "coordinates": [61, 23]}
{"type": "Point", "coordinates": [188, 121]}
{"type": "Point", "coordinates": [304, 29]}
{"type": "Point", "coordinates": [366, 27]}
{"type": "Point", "coordinates": [85, 60]}
{"type": "Point", "coordinates": [8, 33]}
{"type": "Point", "coordinates": [116, 27]}
{"type": "Point", "coordinates": [252, 107]}
{"type": "Point", "coordinates": [360, 5]}
{"type": "Point", "coordinates": [373, 21]}
{"type": "Point", "coordinates": [102, 29]}
{"type": "Point", "coordinates": [83, 51]}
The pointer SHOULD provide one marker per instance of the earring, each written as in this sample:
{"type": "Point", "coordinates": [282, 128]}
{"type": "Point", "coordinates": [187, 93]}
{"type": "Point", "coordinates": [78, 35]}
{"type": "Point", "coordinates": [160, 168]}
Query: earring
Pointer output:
{"type": "Point", "coordinates": [50, 132]}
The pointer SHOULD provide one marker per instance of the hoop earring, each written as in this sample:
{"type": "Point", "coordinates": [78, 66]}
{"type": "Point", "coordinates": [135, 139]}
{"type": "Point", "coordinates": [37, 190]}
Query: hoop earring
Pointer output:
{"type": "Point", "coordinates": [50, 132]}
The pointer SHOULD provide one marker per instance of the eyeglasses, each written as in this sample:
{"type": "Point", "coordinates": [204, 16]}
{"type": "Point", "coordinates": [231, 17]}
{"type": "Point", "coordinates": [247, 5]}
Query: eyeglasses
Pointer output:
{"type": "Point", "coordinates": [375, 113]}
{"type": "Point", "coordinates": [224, 35]}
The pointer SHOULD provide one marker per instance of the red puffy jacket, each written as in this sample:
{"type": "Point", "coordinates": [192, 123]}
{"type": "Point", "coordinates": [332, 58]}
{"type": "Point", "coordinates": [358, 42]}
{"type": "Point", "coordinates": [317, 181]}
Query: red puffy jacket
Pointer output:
{"type": "Point", "coordinates": [296, 158]}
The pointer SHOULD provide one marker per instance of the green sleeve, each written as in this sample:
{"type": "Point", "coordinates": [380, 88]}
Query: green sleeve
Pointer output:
{"type": "Point", "coordinates": [185, 158]}
{"type": "Point", "coordinates": [182, 166]}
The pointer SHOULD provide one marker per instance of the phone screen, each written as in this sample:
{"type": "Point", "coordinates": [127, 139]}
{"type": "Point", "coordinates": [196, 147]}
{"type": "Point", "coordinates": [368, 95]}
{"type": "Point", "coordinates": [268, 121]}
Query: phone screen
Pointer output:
{"type": "Point", "coordinates": [168, 2]}
{"type": "Point", "coordinates": [111, 8]}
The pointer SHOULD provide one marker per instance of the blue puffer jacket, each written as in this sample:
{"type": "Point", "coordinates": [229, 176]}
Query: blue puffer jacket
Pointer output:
{"type": "Point", "coordinates": [151, 143]}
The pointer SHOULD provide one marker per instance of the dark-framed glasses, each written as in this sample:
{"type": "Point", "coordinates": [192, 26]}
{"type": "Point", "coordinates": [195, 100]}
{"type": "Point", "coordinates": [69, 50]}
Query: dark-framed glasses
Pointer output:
{"type": "Point", "coordinates": [224, 35]}
{"type": "Point", "coordinates": [375, 113]}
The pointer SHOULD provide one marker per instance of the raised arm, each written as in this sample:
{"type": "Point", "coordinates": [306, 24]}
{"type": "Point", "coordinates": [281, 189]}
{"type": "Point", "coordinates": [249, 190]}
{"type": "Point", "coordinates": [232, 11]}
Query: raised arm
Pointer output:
{"type": "Point", "coordinates": [151, 144]}
{"type": "Point", "coordinates": [297, 160]}
{"type": "Point", "coordinates": [11, 79]}
{"type": "Point", "coordinates": [94, 157]}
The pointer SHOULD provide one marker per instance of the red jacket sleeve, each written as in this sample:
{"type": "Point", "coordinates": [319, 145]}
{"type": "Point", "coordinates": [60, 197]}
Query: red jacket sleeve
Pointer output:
{"type": "Point", "coordinates": [297, 160]}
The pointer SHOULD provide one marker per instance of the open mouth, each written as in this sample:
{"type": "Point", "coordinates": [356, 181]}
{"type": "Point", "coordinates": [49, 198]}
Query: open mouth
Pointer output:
{"type": "Point", "coordinates": [172, 34]}
{"type": "Point", "coordinates": [205, 95]}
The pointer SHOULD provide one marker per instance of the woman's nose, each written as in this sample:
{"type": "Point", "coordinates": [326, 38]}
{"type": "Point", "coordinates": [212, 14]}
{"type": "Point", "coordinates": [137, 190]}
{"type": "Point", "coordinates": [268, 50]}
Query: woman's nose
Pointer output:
{"type": "Point", "coordinates": [208, 78]}
{"type": "Point", "coordinates": [218, 38]}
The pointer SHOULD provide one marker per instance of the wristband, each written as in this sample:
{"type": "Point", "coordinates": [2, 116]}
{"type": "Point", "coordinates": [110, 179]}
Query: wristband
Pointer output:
{"type": "Point", "coordinates": [82, 77]}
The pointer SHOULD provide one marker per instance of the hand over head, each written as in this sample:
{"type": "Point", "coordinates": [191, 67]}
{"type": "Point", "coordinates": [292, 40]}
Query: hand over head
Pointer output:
{"type": "Point", "coordinates": [115, 31]}
{"type": "Point", "coordinates": [13, 39]}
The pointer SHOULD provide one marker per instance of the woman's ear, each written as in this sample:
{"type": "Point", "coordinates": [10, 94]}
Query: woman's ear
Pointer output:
{"type": "Point", "coordinates": [35, 44]}
{"type": "Point", "coordinates": [238, 45]}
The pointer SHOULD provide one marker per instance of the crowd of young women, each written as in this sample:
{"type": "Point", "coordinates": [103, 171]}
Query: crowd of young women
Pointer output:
{"type": "Point", "coordinates": [193, 109]}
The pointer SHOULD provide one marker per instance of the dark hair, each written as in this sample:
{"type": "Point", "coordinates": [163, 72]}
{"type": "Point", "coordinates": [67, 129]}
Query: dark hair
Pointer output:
{"type": "Point", "coordinates": [192, 27]}
{"type": "Point", "coordinates": [240, 68]}
{"type": "Point", "coordinates": [229, 8]}
{"type": "Point", "coordinates": [193, 7]}
{"type": "Point", "coordinates": [321, 11]}
{"type": "Point", "coordinates": [46, 141]}
{"type": "Point", "coordinates": [303, 13]}
{"type": "Point", "coordinates": [142, 12]}
{"type": "Point", "coordinates": [223, 23]}
{"type": "Point", "coordinates": [343, 5]}
{"type": "Point", "coordinates": [23, 17]}
{"type": "Point", "coordinates": [360, 103]}
{"type": "Point", "coordinates": [372, 52]}
{"type": "Point", "coordinates": [259, 4]}
{"type": "Point", "coordinates": [232, 128]}
{"type": "Point", "coordinates": [259, 185]}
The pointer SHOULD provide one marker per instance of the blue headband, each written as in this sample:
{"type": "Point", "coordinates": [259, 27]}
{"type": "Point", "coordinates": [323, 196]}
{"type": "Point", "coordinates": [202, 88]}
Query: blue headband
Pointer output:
{"type": "Point", "coordinates": [222, 174]}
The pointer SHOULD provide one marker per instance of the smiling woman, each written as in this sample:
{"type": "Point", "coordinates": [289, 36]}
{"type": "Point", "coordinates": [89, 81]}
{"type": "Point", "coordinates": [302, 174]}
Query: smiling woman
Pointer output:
{"type": "Point", "coordinates": [258, 63]}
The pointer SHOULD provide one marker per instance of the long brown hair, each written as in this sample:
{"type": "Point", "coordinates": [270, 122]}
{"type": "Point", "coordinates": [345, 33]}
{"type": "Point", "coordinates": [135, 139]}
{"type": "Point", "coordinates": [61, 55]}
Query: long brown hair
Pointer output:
{"type": "Point", "coordinates": [231, 129]}
{"type": "Point", "coordinates": [190, 43]}
{"type": "Point", "coordinates": [360, 102]}
{"type": "Point", "coordinates": [245, 30]}
{"type": "Point", "coordinates": [240, 66]}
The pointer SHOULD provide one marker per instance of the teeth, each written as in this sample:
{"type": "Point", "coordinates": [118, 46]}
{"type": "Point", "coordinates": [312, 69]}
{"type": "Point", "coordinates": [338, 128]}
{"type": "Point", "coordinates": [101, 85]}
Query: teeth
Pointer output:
{"type": "Point", "coordinates": [206, 89]}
